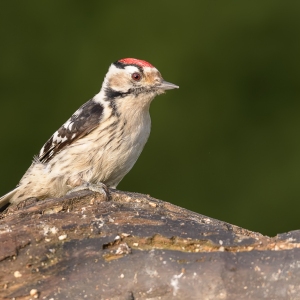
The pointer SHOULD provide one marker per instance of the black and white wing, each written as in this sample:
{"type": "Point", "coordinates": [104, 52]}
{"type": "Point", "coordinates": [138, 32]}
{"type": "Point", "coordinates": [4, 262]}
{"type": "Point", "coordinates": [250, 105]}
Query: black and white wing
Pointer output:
{"type": "Point", "coordinates": [82, 122]}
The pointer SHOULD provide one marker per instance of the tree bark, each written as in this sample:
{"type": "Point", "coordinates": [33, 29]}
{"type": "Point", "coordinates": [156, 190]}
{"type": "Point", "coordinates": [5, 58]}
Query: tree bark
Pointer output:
{"type": "Point", "coordinates": [132, 246]}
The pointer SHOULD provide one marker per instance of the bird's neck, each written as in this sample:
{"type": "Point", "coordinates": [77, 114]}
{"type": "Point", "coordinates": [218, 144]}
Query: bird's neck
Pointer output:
{"type": "Point", "coordinates": [128, 106]}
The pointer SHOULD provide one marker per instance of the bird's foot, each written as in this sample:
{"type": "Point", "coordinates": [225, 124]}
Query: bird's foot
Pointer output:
{"type": "Point", "coordinates": [100, 188]}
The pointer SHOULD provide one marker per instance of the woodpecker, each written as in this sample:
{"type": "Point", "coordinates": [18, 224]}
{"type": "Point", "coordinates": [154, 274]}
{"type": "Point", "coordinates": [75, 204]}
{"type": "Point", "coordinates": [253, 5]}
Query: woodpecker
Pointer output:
{"type": "Point", "coordinates": [101, 141]}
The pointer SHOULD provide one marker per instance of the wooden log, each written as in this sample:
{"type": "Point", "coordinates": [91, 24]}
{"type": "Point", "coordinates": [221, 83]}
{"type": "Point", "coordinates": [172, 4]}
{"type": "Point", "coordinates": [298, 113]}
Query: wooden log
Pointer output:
{"type": "Point", "coordinates": [132, 246]}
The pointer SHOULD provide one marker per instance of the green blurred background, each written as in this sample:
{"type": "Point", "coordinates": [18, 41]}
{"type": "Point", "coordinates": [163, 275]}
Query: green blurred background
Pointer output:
{"type": "Point", "coordinates": [226, 144]}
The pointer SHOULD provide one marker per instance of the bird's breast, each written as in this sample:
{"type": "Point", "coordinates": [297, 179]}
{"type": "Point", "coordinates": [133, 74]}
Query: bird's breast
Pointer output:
{"type": "Point", "coordinates": [119, 150]}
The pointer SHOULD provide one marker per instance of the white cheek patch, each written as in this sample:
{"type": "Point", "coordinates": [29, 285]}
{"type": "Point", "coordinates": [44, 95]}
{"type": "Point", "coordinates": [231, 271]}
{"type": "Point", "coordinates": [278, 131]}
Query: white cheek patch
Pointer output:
{"type": "Point", "coordinates": [123, 82]}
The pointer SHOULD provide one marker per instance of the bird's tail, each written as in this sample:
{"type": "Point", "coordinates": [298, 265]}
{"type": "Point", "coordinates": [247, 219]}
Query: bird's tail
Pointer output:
{"type": "Point", "coordinates": [5, 199]}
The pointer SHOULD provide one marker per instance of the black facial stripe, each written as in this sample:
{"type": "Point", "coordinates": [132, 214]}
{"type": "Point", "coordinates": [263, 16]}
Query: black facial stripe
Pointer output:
{"type": "Point", "coordinates": [138, 90]}
{"type": "Point", "coordinates": [112, 94]}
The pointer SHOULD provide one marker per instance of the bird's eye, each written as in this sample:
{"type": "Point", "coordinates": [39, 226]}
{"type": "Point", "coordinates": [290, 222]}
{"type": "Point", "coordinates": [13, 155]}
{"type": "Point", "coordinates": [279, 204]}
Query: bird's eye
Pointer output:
{"type": "Point", "coordinates": [136, 76]}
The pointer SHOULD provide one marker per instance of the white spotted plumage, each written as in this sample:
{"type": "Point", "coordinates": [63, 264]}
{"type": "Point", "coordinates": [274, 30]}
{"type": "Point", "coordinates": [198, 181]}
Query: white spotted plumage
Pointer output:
{"type": "Point", "coordinates": [102, 140]}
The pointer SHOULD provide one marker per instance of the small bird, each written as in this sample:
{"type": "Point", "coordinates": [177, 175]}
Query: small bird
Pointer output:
{"type": "Point", "coordinates": [101, 141]}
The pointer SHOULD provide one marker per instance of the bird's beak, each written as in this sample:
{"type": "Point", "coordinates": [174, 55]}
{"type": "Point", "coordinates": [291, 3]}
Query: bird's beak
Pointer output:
{"type": "Point", "coordinates": [168, 85]}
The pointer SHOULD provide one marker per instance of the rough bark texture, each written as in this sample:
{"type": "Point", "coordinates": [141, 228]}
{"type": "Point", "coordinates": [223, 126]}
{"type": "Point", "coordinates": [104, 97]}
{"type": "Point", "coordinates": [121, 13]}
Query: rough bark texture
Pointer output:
{"type": "Point", "coordinates": [136, 247]}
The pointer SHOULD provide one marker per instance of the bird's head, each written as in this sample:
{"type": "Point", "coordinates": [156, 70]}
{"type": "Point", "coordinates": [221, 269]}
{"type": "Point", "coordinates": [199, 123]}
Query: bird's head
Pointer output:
{"type": "Point", "coordinates": [134, 79]}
